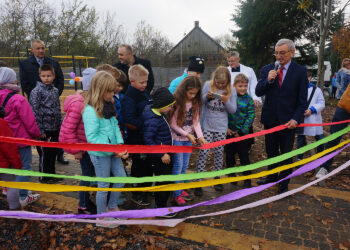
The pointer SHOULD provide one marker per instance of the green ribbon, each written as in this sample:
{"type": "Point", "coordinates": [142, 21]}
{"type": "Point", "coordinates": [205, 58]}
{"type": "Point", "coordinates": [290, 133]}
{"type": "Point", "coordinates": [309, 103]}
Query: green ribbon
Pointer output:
{"type": "Point", "coordinates": [190, 176]}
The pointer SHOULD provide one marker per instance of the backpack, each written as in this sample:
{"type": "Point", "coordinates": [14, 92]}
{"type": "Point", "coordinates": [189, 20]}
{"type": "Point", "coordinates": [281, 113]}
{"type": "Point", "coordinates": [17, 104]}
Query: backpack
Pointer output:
{"type": "Point", "coordinates": [2, 107]}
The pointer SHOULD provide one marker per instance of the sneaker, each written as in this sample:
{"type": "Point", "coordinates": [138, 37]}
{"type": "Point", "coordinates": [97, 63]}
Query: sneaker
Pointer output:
{"type": "Point", "coordinates": [30, 198]}
{"type": "Point", "coordinates": [101, 224]}
{"type": "Point", "coordinates": [83, 210]}
{"type": "Point", "coordinates": [247, 184]}
{"type": "Point", "coordinates": [198, 192]}
{"type": "Point", "coordinates": [186, 196]}
{"type": "Point", "coordinates": [322, 172]}
{"type": "Point", "coordinates": [4, 191]}
{"type": "Point", "coordinates": [179, 201]}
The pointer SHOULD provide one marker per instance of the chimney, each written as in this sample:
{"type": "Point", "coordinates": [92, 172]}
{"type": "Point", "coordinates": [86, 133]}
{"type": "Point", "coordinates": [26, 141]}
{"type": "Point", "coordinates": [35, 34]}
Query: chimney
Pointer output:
{"type": "Point", "coordinates": [196, 24]}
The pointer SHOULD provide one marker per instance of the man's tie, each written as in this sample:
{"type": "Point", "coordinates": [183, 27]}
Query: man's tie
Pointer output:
{"type": "Point", "coordinates": [41, 62]}
{"type": "Point", "coordinates": [280, 76]}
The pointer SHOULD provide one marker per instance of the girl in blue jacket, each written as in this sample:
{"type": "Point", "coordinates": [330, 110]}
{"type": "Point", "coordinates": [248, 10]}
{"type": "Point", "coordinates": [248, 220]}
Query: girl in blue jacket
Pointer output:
{"type": "Point", "coordinates": [101, 126]}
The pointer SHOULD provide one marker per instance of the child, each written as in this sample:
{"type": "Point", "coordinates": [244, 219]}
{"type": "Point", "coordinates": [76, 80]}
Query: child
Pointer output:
{"type": "Point", "coordinates": [72, 131]}
{"type": "Point", "coordinates": [219, 99]}
{"type": "Point", "coordinates": [45, 102]}
{"type": "Point", "coordinates": [157, 132]}
{"type": "Point", "coordinates": [118, 98]}
{"type": "Point", "coordinates": [184, 122]}
{"type": "Point", "coordinates": [316, 104]}
{"type": "Point", "coordinates": [21, 121]}
{"type": "Point", "coordinates": [9, 157]}
{"type": "Point", "coordinates": [101, 126]}
{"type": "Point", "coordinates": [135, 100]}
{"type": "Point", "coordinates": [239, 124]}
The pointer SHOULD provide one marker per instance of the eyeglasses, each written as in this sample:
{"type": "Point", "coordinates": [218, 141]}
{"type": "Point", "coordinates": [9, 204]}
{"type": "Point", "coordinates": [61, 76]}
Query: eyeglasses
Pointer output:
{"type": "Point", "coordinates": [281, 53]}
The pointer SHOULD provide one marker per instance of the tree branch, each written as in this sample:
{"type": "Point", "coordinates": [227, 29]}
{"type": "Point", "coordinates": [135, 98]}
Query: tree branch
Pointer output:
{"type": "Point", "coordinates": [309, 14]}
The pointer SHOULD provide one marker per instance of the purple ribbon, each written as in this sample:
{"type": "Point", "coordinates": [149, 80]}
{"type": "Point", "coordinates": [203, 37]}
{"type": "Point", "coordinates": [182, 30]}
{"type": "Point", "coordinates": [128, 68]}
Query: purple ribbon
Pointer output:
{"type": "Point", "coordinates": [144, 213]}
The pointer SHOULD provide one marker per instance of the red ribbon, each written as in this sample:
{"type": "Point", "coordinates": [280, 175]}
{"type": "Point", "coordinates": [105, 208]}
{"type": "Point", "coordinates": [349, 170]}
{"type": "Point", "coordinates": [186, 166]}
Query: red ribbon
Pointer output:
{"type": "Point", "coordinates": [150, 148]}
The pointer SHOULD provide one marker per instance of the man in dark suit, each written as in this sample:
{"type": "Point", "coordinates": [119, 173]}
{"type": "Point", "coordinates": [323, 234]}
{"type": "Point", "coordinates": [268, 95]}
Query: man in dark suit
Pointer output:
{"type": "Point", "coordinates": [285, 90]}
{"type": "Point", "coordinates": [127, 59]}
{"type": "Point", "coordinates": [29, 69]}
{"type": "Point", "coordinates": [29, 76]}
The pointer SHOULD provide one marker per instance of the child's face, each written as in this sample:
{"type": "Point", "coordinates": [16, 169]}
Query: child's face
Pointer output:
{"type": "Point", "coordinates": [140, 83]}
{"type": "Point", "coordinates": [118, 87]}
{"type": "Point", "coordinates": [191, 94]}
{"type": "Point", "coordinates": [220, 84]}
{"type": "Point", "coordinates": [108, 96]}
{"type": "Point", "coordinates": [241, 87]}
{"type": "Point", "coordinates": [309, 78]}
{"type": "Point", "coordinates": [47, 77]}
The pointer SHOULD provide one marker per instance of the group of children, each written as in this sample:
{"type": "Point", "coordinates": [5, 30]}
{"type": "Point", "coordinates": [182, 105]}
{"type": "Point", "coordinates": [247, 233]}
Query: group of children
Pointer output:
{"type": "Point", "coordinates": [101, 114]}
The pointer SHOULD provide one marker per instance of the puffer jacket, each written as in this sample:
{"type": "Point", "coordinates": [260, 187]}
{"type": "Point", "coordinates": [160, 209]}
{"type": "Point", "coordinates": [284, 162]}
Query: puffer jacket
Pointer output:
{"type": "Point", "coordinates": [342, 81]}
{"type": "Point", "coordinates": [156, 129]}
{"type": "Point", "coordinates": [20, 117]}
{"type": "Point", "coordinates": [46, 107]}
{"type": "Point", "coordinates": [72, 128]}
{"type": "Point", "coordinates": [101, 130]}
{"type": "Point", "coordinates": [9, 155]}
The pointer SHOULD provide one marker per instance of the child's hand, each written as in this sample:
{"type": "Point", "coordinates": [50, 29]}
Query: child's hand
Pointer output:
{"type": "Point", "coordinates": [308, 112]}
{"type": "Point", "coordinates": [224, 97]}
{"type": "Point", "coordinates": [166, 159]}
{"type": "Point", "coordinates": [191, 138]}
{"type": "Point", "coordinates": [123, 155]}
{"type": "Point", "coordinates": [230, 132]}
{"type": "Point", "coordinates": [209, 95]}
{"type": "Point", "coordinates": [42, 136]}
{"type": "Point", "coordinates": [79, 155]}
{"type": "Point", "coordinates": [202, 140]}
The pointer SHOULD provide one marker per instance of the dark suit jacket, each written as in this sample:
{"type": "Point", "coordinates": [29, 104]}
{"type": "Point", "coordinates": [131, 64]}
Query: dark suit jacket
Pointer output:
{"type": "Point", "coordinates": [145, 63]}
{"type": "Point", "coordinates": [285, 103]}
{"type": "Point", "coordinates": [29, 74]}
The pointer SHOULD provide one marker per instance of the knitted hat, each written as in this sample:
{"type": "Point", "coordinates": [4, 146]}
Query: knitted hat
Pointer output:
{"type": "Point", "coordinates": [7, 75]}
{"type": "Point", "coordinates": [162, 98]}
{"type": "Point", "coordinates": [196, 64]}
{"type": "Point", "coordinates": [88, 74]}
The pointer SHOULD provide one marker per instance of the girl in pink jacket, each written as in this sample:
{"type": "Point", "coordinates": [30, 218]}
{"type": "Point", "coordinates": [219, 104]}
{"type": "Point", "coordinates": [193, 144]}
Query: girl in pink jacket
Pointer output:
{"type": "Point", "coordinates": [72, 131]}
{"type": "Point", "coordinates": [21, 120]}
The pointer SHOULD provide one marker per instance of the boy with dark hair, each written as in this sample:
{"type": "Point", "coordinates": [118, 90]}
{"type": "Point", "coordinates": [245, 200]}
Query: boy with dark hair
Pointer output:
{"type": "Point", "coordinates": [133, 104]}
{"type": "Point", "coordinates": [45, 102]}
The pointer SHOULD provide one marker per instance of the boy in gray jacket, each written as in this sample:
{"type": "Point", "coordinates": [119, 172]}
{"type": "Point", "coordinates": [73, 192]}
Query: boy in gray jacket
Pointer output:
{"type": "Point", "coordinates": [45, 102]}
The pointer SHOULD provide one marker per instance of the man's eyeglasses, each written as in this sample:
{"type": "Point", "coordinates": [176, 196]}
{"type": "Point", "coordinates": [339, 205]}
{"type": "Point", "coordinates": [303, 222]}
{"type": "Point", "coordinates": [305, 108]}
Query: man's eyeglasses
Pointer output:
{"type": "Point", "coordinates": [281, 53]}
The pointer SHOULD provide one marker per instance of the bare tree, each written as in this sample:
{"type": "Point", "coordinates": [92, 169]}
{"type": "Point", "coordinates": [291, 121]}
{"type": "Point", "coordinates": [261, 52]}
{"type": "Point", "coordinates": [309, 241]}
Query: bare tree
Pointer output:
{"type": "Point", "coordinates": [324, 20]}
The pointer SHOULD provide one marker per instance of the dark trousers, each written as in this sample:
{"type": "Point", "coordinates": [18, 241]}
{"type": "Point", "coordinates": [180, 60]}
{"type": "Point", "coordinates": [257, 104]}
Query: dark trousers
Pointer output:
{"type": "Point", "coordinates": [242, 149]}
{"type": "Point", "coordinates": [334, 91]}
{"type": "Point", "coordinates": [140, 168]}
{"type": "Point", "coordinates": [276, 144]}
{"type": "Point", "coordinates": [49, 154]}
{"type": "Point", "coordinates": [87, 169]}
{"type": "Point", "coordinates": [339, 115]}
{"type": "Point", "coordinates": [159, 168]}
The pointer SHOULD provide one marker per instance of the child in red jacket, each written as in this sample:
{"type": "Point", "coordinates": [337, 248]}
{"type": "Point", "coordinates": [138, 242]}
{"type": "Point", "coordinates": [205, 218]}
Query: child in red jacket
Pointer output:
{"type": "Point", "coordinates": [9, 158]}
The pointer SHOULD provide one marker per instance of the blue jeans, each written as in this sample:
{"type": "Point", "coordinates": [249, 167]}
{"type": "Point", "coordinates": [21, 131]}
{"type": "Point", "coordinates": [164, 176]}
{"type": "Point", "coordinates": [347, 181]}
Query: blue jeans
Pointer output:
{"type": "Point", "coordinates": [180, 163]}
{"type": "Point", "coordinates": [301, 142]}
{"type": "Point", "coordinates": [339, 115]}
{"type": "Point", "coordinates": [103, 167]}
{"type": "Point", "coordinates": [26, 158]}
{"type": "Point", "coordinates": [87, 169]}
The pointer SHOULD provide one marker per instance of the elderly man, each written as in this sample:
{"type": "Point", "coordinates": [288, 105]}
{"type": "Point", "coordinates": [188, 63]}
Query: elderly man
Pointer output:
{"type": "Point", "coordinates": [284, 85]}
{"type": "Point", "coordinates": [29, 69]}
{"type": "Point", "coordinates": [127, 59]}
{"type": "Point", "coordinates": [235, 68]}
{"type": "Point", "coordinates": [29, 76]}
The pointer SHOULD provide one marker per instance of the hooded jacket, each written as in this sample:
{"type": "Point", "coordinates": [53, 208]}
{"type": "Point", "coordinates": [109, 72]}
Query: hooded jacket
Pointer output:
{"type": "Point", "coordinates": [20, 117]}
{"type": "Point", "coordinates": [46, 107]}
{"type": "Point", "coordinates": [9, 155]}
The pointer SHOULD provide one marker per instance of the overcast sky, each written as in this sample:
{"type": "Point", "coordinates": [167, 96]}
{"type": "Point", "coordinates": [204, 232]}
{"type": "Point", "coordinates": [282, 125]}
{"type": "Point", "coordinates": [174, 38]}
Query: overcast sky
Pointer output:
{"type": "Point", "coordinates": [171, 17]}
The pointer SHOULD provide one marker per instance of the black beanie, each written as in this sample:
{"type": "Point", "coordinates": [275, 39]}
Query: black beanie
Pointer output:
{"type": "Point", "coordinates": [196, 64]}
{"type": "Point", "coordinates": [162, 98]}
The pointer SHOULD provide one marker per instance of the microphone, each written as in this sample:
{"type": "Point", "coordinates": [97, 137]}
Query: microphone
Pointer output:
{"type": "Point", "coordinates": [277, 64]}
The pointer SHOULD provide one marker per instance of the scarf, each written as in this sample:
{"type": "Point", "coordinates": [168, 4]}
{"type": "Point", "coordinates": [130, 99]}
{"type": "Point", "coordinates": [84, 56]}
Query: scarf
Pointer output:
{"type": "Point", "coordinates": [11, 86]}
{"type": "Point", "coordinates": [346, 71]}
{"type": "Point", "coordinates": [109, 110]}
